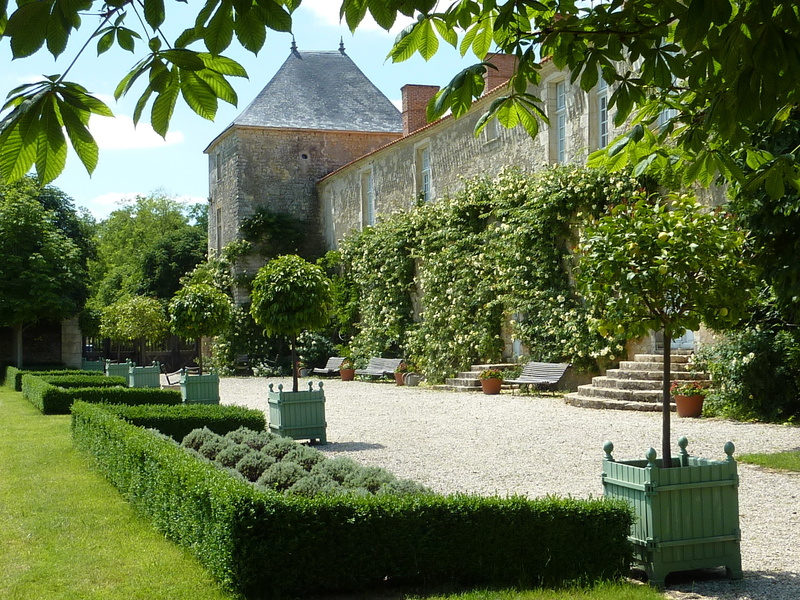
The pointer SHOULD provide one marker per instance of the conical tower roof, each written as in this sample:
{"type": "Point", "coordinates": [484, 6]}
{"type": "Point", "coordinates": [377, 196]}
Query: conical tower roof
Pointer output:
{"type": "Point", "coordinates": [321, 90]}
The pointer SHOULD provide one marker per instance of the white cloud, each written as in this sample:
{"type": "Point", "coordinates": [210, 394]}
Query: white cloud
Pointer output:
{"type": "Point", "coordinates": [327, 13]}
{"type": "Point", "coordinates": [119, 133]}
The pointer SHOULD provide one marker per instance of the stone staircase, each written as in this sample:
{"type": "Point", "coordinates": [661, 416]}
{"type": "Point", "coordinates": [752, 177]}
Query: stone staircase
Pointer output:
{"type": "Point", "coordinates": [636, 385]}
{"type": "Point", "coordinates": [467, 381]}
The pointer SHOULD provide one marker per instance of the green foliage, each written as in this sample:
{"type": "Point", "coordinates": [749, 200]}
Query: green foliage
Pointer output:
{"type": "Point", "coordinates": [54, 400]}
{"type": "Point", "coordinates": [495, 255]}
{"type": "Point", "coordinates": [179, 420]}
{"type": "Point", "coordinates": [784, 461]}
{"type": "Point", "coordinates": [172, 256]}
{"type": "Point", "coordinates": [83, 381]}
{"type": "Point", "coordinates": [755, 375]}
{"type": "Point", "coordinates": [135, 318]}
{"type": "Point", "coordinates": [272, 234]}
{"type": "Point", "coordinates": [13, 376]}
{"type": "Point", "coordinates": [314, 349]}
{"type": "Point", "coordinates": [43, 272]}
{"type": "Point", "coordinates": [656, 264]}
{"type": "Point", "coordinates": [262, 543]}
{"type": "Point", "coordinates": [290, 295]}
{"type": "Point", "coordinates": [199, 310]}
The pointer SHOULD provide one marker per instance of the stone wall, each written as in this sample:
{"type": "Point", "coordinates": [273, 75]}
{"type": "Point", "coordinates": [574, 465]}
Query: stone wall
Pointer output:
{"type": "Point", "coordinates": [251, 167]}
{"type": "Point", "coordinates": [456, 154]}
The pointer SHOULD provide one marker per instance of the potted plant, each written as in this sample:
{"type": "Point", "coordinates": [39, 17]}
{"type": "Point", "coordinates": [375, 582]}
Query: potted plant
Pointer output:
{"type": "Point", "coordinates": [669, 264]}
{"type": "Point", "coordinates": [199, 310]}
{"type": "Point", "coordinates": [689, 396]}
{"type": "Point", "coordinates": [491, 381]}
{"type": "Point", "coordinates": [400, 373]}
{"type": "Point", "coordinates": [412, 376]}
{"type": "Point", "coordinates": [291, 295]}
{"type": "Point", "coordinates": [347, 370]}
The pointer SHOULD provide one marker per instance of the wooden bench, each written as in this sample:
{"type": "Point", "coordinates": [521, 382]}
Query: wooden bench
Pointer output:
{"type": "Point", "coordinates": [380, 367]}
{"type": "Point", "coordinates": [330, 368]}
{"type": "Point", "coordinates": [540, 375]}
{"type": "Point", "coordinates": [175, 378]}
{"type": "Point", "coordinates": [241, 363]}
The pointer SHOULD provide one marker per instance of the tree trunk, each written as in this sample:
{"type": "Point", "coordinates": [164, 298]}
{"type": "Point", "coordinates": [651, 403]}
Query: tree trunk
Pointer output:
{"type": "Point", "coordinates": [666, 453]}
{"type": "Point", "coordinates": [18, 345]}
{"type": "Point", "coordinates": [198, 346]}
{"type": "Point", "coordinates": [294, 364]}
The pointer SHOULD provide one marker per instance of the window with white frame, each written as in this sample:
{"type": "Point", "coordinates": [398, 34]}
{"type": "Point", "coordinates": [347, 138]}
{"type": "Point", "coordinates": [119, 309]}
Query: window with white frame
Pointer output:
{"type": "Point", "coordinates": [602, 114]}
{"type": "Point", "coordinates": [491, 130]}
{"type": "Point", "coordinates": [424, 180]}
{"type": "Point", "coordinates": [561, 121]}
{"type": "Point", "coordinates": [218, 165]}
{"type": "Point", "coordinates": [367, 198]}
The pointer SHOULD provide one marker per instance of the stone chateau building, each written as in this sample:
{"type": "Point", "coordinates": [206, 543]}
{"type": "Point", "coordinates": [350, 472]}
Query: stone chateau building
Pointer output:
{"type": "Point", "coordinates": [321, 143]}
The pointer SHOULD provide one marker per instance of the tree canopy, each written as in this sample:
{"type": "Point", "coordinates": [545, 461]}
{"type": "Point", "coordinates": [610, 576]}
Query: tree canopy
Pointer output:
{"type": "Point", "coordinates": [725, 67]}
{"type": "Point", "coordinates": [43, 271]}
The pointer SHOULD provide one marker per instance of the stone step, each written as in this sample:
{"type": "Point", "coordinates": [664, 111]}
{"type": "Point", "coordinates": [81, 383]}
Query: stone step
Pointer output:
{"type": "Point", "coordinates": [501, 366]}
{"type": "Point", "coordinates": [657, 375]}
{"type": "Point", "coordinates": [626, 384]}
{"type": "Point", "coordinates": [633, 365]}
{"type": "Point", "coordinates": [593, 391]}
{"type": "Point", "coordinates": [659, 358]}
{"type": "Point", "coordinates": [459, 382]}
{"type": "Point", "coordinates": [468, 375]}
{"type": "Point", "coordinates": [577, 399]}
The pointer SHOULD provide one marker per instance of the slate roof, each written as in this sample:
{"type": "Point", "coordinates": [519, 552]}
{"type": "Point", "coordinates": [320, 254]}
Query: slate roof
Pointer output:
{"type": "Point", "coordinates": [321, 90]}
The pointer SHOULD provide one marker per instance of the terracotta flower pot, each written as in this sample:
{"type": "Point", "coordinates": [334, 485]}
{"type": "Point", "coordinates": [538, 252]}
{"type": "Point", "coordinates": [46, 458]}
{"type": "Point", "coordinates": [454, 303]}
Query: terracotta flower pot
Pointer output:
{"type": "Point", "coordinates": [492, 386]}
{"type": "Point", "coordinates": [399, 378]}
{"type": "Point", "coordinates": [689, 406]}
{"type": "Point", "coordinates": [347, 374]}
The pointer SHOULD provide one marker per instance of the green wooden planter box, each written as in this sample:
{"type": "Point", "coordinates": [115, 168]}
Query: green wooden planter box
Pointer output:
{"type": "Point", "coordinates": [92, 365]}
{"type": "Point", "coordinates": [687, 517]}
{"type": "Point", "coordinates": [145, 377]}
{"type": "Point", "coordinates": [118, 369]}
{"type": "Point", "coordinates": [298, 415]}
{"type": "Point", "coordinates": [200, 389]}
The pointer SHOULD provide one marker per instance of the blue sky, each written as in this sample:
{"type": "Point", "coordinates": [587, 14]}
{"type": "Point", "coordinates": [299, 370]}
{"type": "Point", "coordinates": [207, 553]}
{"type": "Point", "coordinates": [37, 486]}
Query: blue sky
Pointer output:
{"type": "Point", "coordinates": [139, 161]}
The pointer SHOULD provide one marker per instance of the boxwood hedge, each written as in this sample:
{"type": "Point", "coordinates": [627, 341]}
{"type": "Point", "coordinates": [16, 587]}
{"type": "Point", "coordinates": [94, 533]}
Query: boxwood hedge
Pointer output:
{"type": "Point", "coordinates": [13, 375]}
{"type": "Point", "coordinates": [178, 421]}
{"type": "Point", "coordinates": [54, 400]}
{"type": "Point", "coordinates": [263, 544]}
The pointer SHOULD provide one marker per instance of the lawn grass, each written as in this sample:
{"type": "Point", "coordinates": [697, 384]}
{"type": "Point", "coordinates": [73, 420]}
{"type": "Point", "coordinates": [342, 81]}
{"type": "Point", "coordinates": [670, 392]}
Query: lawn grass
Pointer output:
{"type": "Point", "coordinates": [66, 533]}
{"type": "Point", "coordinates": [785, 461]}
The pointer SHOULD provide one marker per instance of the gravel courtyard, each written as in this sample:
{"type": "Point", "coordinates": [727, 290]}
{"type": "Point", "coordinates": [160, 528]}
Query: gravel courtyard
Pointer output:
{"type": "Point", "coordinates": [537, 445]}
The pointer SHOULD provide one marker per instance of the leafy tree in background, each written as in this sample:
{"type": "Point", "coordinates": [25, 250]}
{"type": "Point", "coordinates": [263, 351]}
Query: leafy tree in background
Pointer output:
{"type": "Point", "coordinates": [291, 295]}
{"type": "Point", "coordinates": [199, 310]}
{"type": "Point", "coordinates": [169, 258]}
{"type": "Point", "coordinates": [138, 319]}
{"type": "Point", "coordinates": [654, 264]}
{"type": "Point", "coordinates": [42, 272]}
{"type": "Point", "coordinates": [725, 67]}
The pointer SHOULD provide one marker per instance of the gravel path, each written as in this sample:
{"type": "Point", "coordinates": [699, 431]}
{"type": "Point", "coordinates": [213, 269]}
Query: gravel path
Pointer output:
{"type": "Point", "coordinates": [537, 445]}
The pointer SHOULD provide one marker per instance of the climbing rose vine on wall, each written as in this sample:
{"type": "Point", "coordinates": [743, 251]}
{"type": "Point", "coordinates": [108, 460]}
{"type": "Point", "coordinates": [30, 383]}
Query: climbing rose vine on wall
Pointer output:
{"type": "Point", "coordinates": [497, 252]}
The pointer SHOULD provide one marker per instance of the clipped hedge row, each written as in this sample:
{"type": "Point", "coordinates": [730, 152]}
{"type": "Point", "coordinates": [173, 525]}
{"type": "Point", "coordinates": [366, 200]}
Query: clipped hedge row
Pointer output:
{"type": "Point", "coordinates": [13, 375]}
{"type": "Point", "coordinates": [178, 421]}
{"type": "Point", "coordinates": [263, 544]}
{"type": "Point", "coordinates": [82, 380]}
{"type": "Point", "coordinates": [54, 400]}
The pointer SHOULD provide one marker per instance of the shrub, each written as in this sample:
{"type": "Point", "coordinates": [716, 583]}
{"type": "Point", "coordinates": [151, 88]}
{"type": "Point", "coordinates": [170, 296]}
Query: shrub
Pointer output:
{"type": "Point", "coordinates": [278, 447]}
{"type": "Point", "coordinates": [262, 544]}
{"type": "Point", "coordinates": [52, 400]}
{"type": "Point", "coordinates": [195, 439]}
{"type": "Point", "coordinates": [316, 484]}
{"type": "Point", "coordinates": [281, 476]}
{"type": "Point", "coordinates": [212, 447]}
{"type": "Point", "coordinates": [231, 455]}
{"type": "Point", "coordinates": [258, 439]}
{"type": "Point", "coordinates": [338, 469]}
{"type": "Point", "coordinates": [83, 381]}
{"type": "Point", "coordinates": [304, 456]}
{"type": "Point", "coordinates": [13, 377]}
{"type": "Point", "coordinates": [755, 375]}
{"type": "Point", "coordinates": [253, 465]}
{"type": "Point", "coordinates": [178, 421]}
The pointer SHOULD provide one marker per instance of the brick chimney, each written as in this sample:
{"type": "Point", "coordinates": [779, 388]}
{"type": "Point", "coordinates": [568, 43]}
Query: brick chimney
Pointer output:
{"type": "Point", "coordinates": [505, 64]}
{"type": "Point", "coordinates": [415, 102]}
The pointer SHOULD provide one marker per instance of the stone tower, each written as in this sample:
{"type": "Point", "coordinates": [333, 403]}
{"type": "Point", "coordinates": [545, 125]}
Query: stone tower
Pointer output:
{"type": "Point", "coordinates": [318, 113]}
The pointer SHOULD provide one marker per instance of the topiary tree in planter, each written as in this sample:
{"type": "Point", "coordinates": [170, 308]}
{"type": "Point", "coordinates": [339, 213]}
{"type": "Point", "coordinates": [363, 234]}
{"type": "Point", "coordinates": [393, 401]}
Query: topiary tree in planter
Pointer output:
{"type": "Point", "coordinates": [291, 295]}
{"type": "Point", "coordinates": [670, 264]}
{"type": "Point", "coordinates": [199, 310]}
{"type": "Point", "coordinates": [664, 264]}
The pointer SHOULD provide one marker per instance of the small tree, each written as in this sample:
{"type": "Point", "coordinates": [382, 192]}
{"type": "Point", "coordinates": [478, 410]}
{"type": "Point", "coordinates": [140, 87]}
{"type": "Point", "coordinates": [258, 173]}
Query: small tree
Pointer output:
{"type": "Point", "coordinates": [137, 318]}
{"type": "Point", "coordinates": [664, 265]}
{"type": "Point", "coordinates": [199, 310]}
{"type": "Point", "coordinates": [291, 295]}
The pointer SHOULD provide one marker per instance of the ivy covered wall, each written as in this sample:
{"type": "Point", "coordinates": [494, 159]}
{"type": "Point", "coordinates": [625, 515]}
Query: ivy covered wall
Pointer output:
{"type": "Point", "coordinates": [497, 252]}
